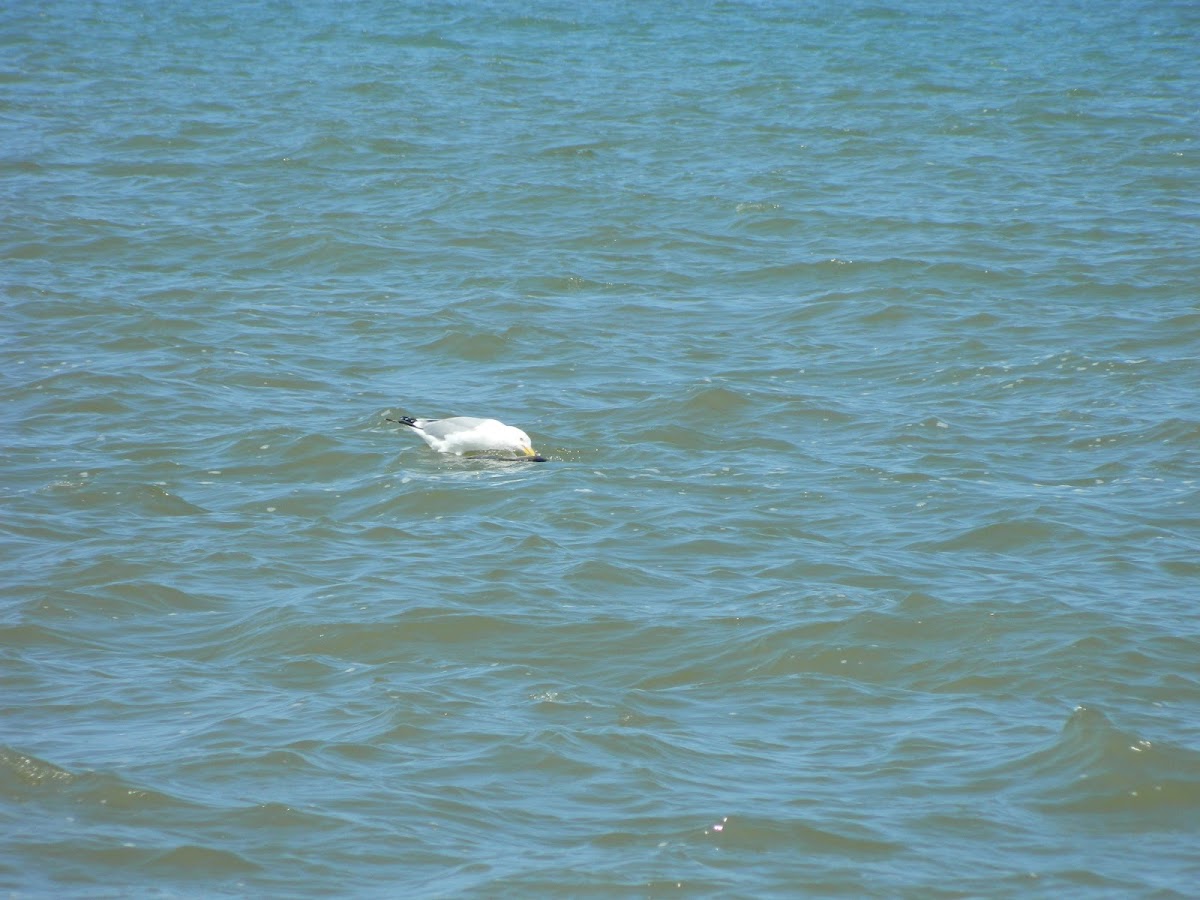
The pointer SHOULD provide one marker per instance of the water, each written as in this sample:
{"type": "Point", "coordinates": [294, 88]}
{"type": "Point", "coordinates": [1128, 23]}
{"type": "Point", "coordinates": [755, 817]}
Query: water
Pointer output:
{"type": "Point", "coordinates": [862, 340]}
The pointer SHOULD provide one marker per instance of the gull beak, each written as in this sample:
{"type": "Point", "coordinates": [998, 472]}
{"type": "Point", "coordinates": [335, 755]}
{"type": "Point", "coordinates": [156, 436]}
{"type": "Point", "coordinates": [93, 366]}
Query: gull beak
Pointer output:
{"type": "Point", "coordinates": [533, 457]}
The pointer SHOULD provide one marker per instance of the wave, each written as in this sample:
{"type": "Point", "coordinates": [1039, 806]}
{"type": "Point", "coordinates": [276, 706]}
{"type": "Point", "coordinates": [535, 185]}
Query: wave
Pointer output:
{"type": "Point", "coordinates": [1095, 768]}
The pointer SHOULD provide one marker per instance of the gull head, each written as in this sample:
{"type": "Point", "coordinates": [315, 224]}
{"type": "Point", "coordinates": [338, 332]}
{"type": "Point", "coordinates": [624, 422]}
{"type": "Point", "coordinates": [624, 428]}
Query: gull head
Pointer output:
{"type": "Point", "coordinates": [521, 445]}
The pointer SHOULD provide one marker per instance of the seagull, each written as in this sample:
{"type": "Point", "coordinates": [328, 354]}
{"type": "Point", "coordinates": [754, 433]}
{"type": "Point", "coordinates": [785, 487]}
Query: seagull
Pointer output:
{"type": "Point", "coordinates": [465, 434]}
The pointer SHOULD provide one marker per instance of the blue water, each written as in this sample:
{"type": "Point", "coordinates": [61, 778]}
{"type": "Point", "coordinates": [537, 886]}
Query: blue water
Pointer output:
{"type": "Point", "coordinates": [863, 341]}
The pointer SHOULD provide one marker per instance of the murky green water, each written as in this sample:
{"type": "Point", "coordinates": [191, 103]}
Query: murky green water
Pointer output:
{"type": "Point", "coordinates": [863, 344]}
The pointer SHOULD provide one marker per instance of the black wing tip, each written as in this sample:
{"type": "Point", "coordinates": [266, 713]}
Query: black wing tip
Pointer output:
{"type": "Point", "coordinates": [403, 420]}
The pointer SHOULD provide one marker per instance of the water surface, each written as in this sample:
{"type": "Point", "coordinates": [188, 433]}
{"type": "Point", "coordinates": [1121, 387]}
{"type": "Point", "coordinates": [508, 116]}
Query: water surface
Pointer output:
{"type": "Point", "coordinates": [862, 340]}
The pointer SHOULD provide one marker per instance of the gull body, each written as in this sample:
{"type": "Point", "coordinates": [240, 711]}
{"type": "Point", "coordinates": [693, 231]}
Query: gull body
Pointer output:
{"type": "Point", "coordinates": [461, 435]}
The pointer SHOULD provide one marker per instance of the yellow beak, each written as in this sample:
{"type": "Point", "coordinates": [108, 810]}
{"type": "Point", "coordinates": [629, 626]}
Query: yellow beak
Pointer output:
{"type": "Point", "coordinates": [528, 451]}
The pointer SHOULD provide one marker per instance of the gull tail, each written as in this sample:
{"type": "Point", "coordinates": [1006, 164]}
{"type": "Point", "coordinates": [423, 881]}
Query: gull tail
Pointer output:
{"type": "Point", "coordinates": [405, 420]}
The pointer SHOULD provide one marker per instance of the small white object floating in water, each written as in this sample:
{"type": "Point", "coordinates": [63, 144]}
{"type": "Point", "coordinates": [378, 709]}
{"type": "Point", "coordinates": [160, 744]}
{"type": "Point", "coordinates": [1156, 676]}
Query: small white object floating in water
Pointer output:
{"type": "Point", "coordinates": [462, 435]}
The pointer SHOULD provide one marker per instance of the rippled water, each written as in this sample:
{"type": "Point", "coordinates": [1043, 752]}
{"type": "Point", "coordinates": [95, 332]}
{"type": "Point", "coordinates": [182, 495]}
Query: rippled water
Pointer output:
{"type": "Point", "coordinates": [863, 341]}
